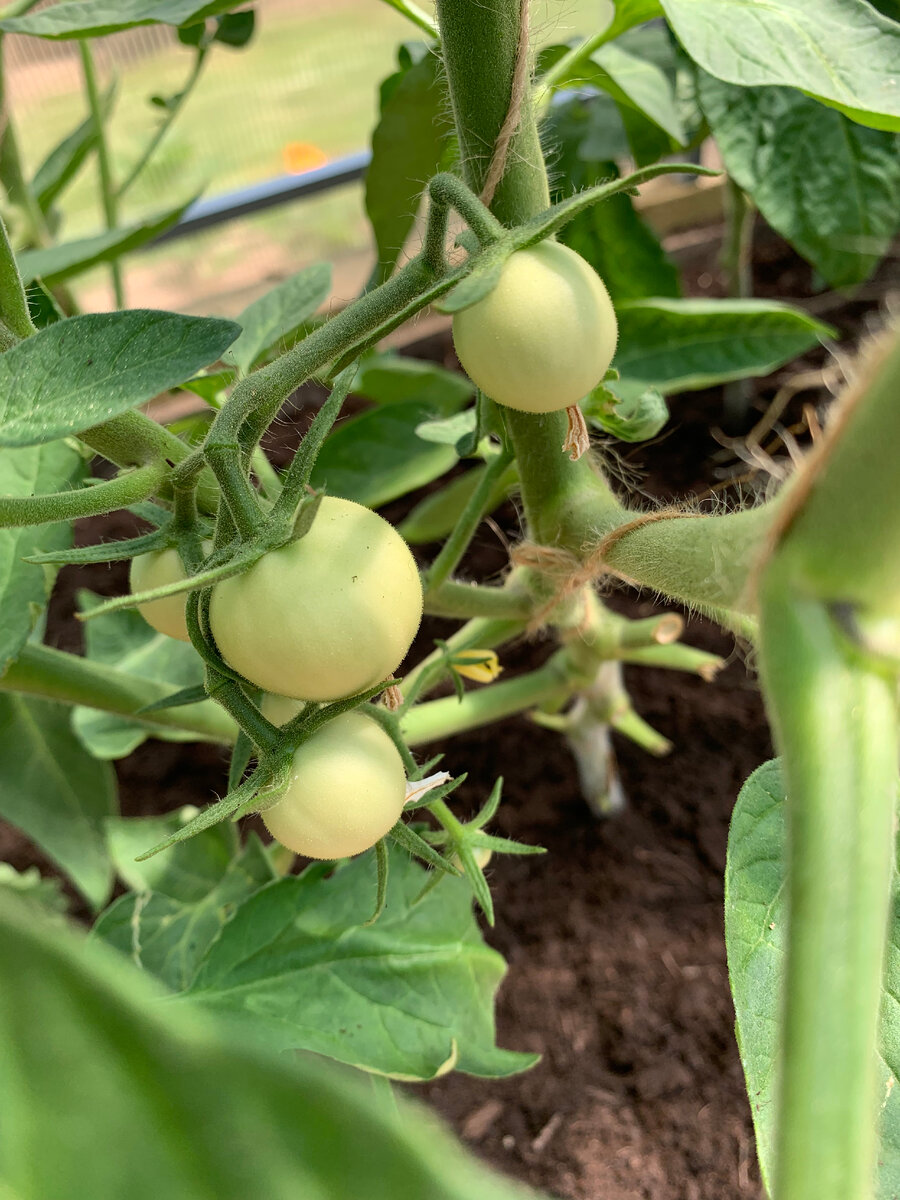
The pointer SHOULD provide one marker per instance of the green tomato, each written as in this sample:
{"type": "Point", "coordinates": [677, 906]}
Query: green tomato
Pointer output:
{"type": "Point", "coordinates": [544, 337]}
{"type": "Point", "coordinates": [327, 615]}
{"type": "Point", "coordinates": [347, 790]}
{"type": "Point", "coordinates": [280, 709]}
{"type": "Point", "coordinates": [153, 570]}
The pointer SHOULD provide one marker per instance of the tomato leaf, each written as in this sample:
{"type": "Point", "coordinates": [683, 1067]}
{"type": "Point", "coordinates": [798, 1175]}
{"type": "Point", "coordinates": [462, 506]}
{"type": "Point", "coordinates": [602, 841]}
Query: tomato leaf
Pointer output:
{"type": "Point", "coordinates": [840, 210]}
{"type": "Point", "coordinates": [184, 895]}
{"type": "Point", "coordinates": [408, 144]}
{"type": "Point", "coordinates": [387, 378]}
{"type": "Point", "coordinates": [93, 18]}
{"type": "Point", "coordinates": [125, 640]}
{"type": "Point", "coordinates": [179, 1106]}
{"type": "Point", "coordinates": [393, 997]}
{"type": "Point", "coordinates": [56, 263]}
{"type": "Point", "coordinates": [682, 345]}
{"type": "Point", "coordinates": [378, 456]}
{"type": "Point", "coordinates": [841, 52]}
{"type": "Point", "coordinates": [88, 369]}
{"type": "Point", "coordinates": [274, 319]}
{"type": "Point", "coordinates": [55, 792]}
{"type": "Point", "coordinates": [755, 935]}
{"type": "Point", "coordinates": [25, 587]}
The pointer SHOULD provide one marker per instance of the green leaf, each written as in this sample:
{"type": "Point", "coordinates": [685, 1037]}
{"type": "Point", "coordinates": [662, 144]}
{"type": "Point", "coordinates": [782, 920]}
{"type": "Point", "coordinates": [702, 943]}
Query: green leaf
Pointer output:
{"type": "Point", "coordinates": [630, 13]}
{"type": "Point", "coordinates": [184, 896]}
{"type": "Point", "coordinates": [301, 969]}
{"type": "Point", "coordinates": [56, 263]}
{"type": "Point", "coordinates": [53, 791]}
{"type": "Point", "coordinates": [124, 639]}
{"type": "Point", "coordinates": [682, 345]}
{"type": "Point", "coordinates": [408, 144]}
{"type": "Point", "coordinates": [93, 18]}
{"type": "Point", "coordinates": [755, 938]}
{"type": "Point", "coordinates": [635, 419]}
{"type": "Point", "coordinates": [841, 208]}
{"type": "Point", "coordinates": [435, 516]}
{"type": "Point", "coordinates": [448, 431]}
{"type": "Point", "coordinates": [638, 84]}
{"type": "Point", "coordinates": [209, 385]}
{"type": "Point", "coordinates": [378, 456]}
{"type": "Point", "coordinates": [619, 245]}
{"type": "Point", "coordinates": [236, 29]}
{"type": "Point", "coordinates": [842, 52]}
{"type": "Point", "coordinates": [66, 159]}
{"type": "Point", "coordinates": [166, 1103]}
{"type": "Point", "coordinates": [25, 587]}
{"type": "Point", "coordinates": [275, 318]}
{"type": "Point", "coordinates": [80, 372]}
{"type": "Point", "coordinates": [186, 872]}
{"type": "Point", "coordinates": [45, 895]}
{"type": "Point", "coordinates": [387, 378]}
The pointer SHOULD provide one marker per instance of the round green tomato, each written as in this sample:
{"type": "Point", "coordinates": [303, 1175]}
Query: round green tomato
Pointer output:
{"type": "Point", "coordinates": [327, 615]}
{"type": "Point", "coordinates": [153, 570]}
{"type": "Point", "coordinates": [544, 337]}
{"type": "Point", "coordinates": [347, 790]}
{"type": "Point", "coordinates": [280, 709]}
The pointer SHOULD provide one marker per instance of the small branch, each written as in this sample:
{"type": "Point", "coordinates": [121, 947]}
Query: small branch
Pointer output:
{"type": "Point", "coordinates": [108, 193]}
{"type": "Point", "coordinates": [470, 518]}
{"type": "Point", "coordinates": [70, 679]}
{"type": "Point", "coordinates": [127, 488]}
{"type": "Point", "coordinates": [442, 718]}
{"type": "Point", "coordinates": [456, 599]}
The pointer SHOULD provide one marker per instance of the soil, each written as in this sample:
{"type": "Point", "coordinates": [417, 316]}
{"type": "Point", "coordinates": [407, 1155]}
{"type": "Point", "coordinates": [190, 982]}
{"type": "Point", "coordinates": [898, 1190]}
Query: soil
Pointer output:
{"type": "Point", "coordinates": [614, 939]}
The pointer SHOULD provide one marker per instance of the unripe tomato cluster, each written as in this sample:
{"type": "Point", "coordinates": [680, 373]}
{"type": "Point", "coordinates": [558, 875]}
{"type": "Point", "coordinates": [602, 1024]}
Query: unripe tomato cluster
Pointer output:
{"type": "Point", "coordinates": [546, 334]}
{"type": "Point", "coordinates": [317, 620]}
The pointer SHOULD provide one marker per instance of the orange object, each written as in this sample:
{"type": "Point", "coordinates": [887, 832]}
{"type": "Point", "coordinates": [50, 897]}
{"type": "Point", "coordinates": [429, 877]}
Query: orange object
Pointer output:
{"type": "Point", "coordinates": [302, 156]}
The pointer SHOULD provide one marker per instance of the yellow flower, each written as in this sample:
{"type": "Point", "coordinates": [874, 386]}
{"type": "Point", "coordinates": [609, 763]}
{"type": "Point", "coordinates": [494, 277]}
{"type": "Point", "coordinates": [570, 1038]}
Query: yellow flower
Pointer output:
{"type": "Point", "coordinates": [482, 666]}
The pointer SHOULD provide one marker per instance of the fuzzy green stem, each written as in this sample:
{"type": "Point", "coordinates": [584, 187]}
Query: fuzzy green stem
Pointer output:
{"type": "Point", "coordinates": [128, 488]}
{"type": "Point", "coordinates": [456, 599]}
{"type": "Point", "coordinates": [237, 491]}
{"type": "Point", "coordinates": [835, 723]}
{"type": "Point", "coordinates": [482, 632]}
{"type": "Point", "coordinates": [133, 439]}
{"type": "Point", "coordinates": [415, 14]}
{"type": "Point", "coordinates": [258, 398]}
{"type": "Point", "coordinates": [458, 542]}
{"type": "Point", "coordinates": [550, 684]}
{"type": "Point", "coordinates": [480, 42]}
{"type": "Point", "coordinates": [69, 679]}
{"type": "Point", "coordinates": [108, 193]}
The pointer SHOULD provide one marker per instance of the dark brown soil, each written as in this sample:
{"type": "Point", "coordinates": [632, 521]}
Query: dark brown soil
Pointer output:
{"type": "Point", "coordinates": [614, 939]}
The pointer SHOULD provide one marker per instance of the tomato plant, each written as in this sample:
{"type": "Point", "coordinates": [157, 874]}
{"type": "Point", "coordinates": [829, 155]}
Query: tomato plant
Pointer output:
{"type": "Point", "coordinates": [289, 609]}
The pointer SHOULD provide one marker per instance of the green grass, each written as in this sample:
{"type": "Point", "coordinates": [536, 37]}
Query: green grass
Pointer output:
{"type": "Point", "coordinates": [311, 74]}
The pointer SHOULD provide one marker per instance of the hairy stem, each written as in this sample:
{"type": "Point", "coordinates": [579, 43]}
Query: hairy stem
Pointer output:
{"type": "Point", "coordinates": [550, 684]}
{"type": "Point", "coordinates": [127, 488]}
{"type": "Point", "coordinates": [70, 679]}
{"type": "Point", "coordinates": [480, 43]}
